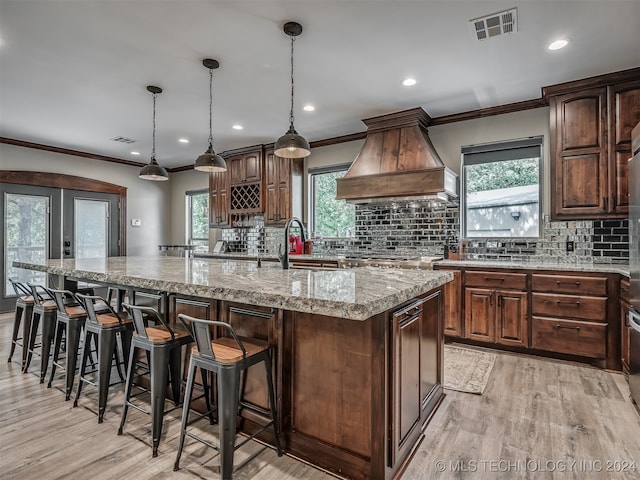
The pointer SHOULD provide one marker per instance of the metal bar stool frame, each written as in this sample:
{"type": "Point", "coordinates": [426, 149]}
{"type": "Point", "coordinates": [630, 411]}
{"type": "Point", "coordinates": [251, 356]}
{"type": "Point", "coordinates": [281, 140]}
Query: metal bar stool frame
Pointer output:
{"type": "Point", "coordinates": [102, 326]}
{"type": "Point", "coordinates": [44, 313]}
{"type": "Point", "coordinates": [23, 313]}
{"type": "Point", "coordinates": [163, 345]}
{"type": "Point", "coordinates": [70, 319]}
{"type": "Point", "coordinates": [228, 371]}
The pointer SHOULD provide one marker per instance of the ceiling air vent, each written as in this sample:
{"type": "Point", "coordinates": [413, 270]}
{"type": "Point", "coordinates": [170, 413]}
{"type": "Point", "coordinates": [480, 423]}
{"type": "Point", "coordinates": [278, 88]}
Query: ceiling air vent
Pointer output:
{"type": "Point", "coordinates": [495, 24]}
{"type": "Point", "coordinates": [123, 140]}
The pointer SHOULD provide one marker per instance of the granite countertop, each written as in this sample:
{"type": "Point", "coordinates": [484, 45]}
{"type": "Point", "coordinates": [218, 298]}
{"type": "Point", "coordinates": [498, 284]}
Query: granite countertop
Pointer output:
{"type": "Point", "coordinates": [622, 269]}
{"type": "Point", "coordinates": [293, 257]}
{"type": "Point", "coordinates": [355, 293]}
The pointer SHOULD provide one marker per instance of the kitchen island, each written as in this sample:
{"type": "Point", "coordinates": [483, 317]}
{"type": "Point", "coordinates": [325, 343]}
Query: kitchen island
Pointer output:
{"type": "Point", "coordinates": [357, 352]}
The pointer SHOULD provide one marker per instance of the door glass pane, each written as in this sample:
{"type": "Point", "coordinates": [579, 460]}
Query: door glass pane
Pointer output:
{"type": "Point", "coordinates": [91, 228]}
{"type": "Point", "coordinates": [26, 227]}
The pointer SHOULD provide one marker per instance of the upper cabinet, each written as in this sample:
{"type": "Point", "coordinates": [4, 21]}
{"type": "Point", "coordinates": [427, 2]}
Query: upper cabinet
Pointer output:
{"type": "Point", "coordinates": [245, 167]}
{"type": "Point", "coordinates": [219, 199]}
{"type": "Point", "coordinates": [591, 144]}
{"type": "Point", "coordinates": [282, 188]}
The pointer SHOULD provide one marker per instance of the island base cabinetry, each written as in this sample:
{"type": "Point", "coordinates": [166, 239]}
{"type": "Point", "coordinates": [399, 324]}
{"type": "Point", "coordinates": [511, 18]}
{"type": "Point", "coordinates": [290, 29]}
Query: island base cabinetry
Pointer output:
{"type": "Point", "coordinates": [357, 395]}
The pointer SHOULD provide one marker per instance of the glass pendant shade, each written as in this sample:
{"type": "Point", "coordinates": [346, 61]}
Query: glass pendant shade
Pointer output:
{"type": "Point", "coordinates": [153, 171]}
{"type": "Point", "coordinates": [292, 145]}
{"type": "Point", "coordinates": [210, 161]}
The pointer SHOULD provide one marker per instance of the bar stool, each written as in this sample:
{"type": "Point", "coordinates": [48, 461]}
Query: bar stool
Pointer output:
{"type": "Point", "coordinates": [45, 313]}
{"type": "Point", "coordinates": [228, 357]}
{"type": "Point", "coordinates": [163, 346]}
{"type": "Point", "coordinates": [70, 321]}
{"type": "Point", "coordinates": [103, 328]}
{"type": "Point", "coordinates": [23, 312]}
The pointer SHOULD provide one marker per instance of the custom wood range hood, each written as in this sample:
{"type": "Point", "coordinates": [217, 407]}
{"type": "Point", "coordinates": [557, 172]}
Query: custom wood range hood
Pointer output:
{"type": "Point", "coordinates": [398, 162]}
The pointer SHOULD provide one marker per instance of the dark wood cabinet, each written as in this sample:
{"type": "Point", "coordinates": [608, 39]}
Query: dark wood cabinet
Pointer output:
{"type": "Point", "coordinates": [282, 188]}
{"type": "Point", "coordinates": [453, 325]}
{"type": "Point", "coordinates": [590, 146]}
{"type": "Point", "coordinates": [496, 308]}
{"type": "Point", "coordinates": [569, 314]}
{"type": "Point", "coordinates": [417, 369]}
{"type": "Point", "coordinates": [624, 107]}
{"type": "Point", "coordinates": [579, 154]}
{"type": "Point", "coordinates": [219, 199]}
{"type": "Point", "coordinates": [245, 167]}
{"type": "Point", "coordinates": [625, 332]}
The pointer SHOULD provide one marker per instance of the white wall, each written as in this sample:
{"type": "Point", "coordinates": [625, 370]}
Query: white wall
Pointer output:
{"type": "Point", "coordinates": [448, 140]}
{"type": "Point", "coordinates": [182, 182]}
{"type": "Point", "coordinates": [147, 201]}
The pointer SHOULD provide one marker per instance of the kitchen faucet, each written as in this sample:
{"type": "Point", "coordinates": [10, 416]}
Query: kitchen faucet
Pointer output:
{"type": "Point", "coordinates": [284, 257]}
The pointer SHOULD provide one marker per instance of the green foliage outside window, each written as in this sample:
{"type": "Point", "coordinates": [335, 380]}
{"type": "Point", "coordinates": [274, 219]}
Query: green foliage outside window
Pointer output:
{"type": "Point", "coordinates": [332, 218]}
{"type": "Point", "coordinates": [503, 174]}
{"type": "Point", "coordinates": [199, 218]}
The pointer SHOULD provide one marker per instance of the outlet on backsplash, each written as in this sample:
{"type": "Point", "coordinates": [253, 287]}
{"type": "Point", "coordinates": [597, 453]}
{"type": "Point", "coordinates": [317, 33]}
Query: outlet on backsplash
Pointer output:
{"type": "Point", "coordinates": [570, 246]}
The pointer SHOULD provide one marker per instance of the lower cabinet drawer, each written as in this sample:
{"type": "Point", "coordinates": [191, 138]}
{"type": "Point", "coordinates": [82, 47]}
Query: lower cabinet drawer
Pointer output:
{"type": "Point", "coordinates": [586, 339]}
{"type": "Point", "coordinates": [572, 306]}
{"type": "Point", "coordinates": [514, 281]}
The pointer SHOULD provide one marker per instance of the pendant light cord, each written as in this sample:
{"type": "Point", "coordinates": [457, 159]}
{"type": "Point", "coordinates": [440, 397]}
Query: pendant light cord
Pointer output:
{"type": "Point", "coordinates": [292, 83]}
{"type": "Point", "coordinates": [153, 147]}
{"type": "Point", "coordinates": [210, 106]}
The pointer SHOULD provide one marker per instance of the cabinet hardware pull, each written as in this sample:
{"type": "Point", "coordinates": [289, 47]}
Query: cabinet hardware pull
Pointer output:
{"type": "Point", "coordinates": [604, 200]}
{"type": "Point", "coordinates": [558, 327]}
{"type": "Point", "coordinates": [558, 302]}
{"type": "Point", "coordinates": [614, 202]}
{"type": "Point", "coordinates": [494, 279]}
{"type": "Point", "coordinates": [558, 282]}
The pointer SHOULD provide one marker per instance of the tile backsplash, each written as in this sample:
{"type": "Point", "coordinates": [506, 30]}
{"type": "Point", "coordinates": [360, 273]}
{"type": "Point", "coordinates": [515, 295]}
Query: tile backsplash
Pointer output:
{"type": "Point", "coordinates": [423, 229]}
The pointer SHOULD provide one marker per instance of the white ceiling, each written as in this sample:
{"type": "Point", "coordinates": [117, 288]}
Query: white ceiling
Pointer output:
{"type": "Point", "coordinates": [73, 72]}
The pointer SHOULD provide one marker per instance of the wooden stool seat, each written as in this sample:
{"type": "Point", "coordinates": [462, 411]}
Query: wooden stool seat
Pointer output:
{"type": "Point", "coordinates": [163, 345]}
{"type": "Point", "coordinates": [228, 357]}
{"type": "Point", "coordinates": [111, 320]}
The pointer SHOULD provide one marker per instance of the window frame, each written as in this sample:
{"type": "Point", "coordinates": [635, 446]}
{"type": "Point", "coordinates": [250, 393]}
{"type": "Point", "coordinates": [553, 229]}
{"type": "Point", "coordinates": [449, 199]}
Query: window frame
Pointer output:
{"type": "Point", "coordinates": [189, 194]}
{"type": "Point", "coordinates": [311, 173]}
{"type": "Point", "coordinates": [481, 150]}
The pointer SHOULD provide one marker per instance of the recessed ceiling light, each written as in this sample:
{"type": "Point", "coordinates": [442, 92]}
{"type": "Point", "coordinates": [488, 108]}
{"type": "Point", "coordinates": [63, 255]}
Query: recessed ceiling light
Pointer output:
{"type": "Point", "coordinates": [409, 82]}
{"type": "Point", "coordinates": [135, 153]}
{"type": "Point", "coordinates": [308, 108]}
{"type": "Point", "coordinates": [183, 140]}
{"type": "Point", "coordinates": [558, 44]}
{"type": "Point", "coordinates": [237, 127]}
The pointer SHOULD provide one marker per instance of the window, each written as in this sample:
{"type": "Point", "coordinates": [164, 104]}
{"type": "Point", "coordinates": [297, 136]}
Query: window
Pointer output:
{"type": "Point", "coordinates": [330, 218]}
{"type": "Point", "coordinates": [198, 217]}
{"type": "Point", "coordinates": [501, 189]}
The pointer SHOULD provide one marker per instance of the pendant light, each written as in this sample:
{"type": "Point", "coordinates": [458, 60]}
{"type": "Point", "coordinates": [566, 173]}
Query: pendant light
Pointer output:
{"type": "Point", "coordinates": [209, 161]}
{"type": "Point", "coordinates": [153, 171]}
{"type": "Point", "coordinates": [292, 145]}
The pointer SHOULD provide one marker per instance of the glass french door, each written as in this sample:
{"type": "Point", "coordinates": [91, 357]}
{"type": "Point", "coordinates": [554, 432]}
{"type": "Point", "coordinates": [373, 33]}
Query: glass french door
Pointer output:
{"type": "Point", "coordinates": [42, 222]}
{"type": "Point", "coordinates": [90, 224]}
{"type": "Point", "coordinates": [30, 232]}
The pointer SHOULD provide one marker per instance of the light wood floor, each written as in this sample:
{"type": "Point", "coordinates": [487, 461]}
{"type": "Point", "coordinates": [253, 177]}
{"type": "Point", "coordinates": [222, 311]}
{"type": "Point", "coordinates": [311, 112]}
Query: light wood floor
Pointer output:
{"type": "Point", "coordinates": [535, 416]}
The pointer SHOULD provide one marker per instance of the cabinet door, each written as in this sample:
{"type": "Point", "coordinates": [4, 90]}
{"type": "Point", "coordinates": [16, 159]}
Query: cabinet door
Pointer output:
{"type": "Point", "coordinates": [624, 114]}
{"type": "Point", "coordinates": [453, 306]}
{"type": "Point", "coordinates": [578, 154]}
{"type": "Point", "coordinates": [219, 199]}
{"type": "Point", "coordinates": [430, 347]}
{"type": "Point", "coordinates": [479, 314]}
{"type": "Point", "coordinates": [511, 318]}
{"type": "Point", "coordinates": [235, 166]}
{"type": "Point", "coordinates": [270, 189]}
{"type": "Point", "coordinates": [626, 334]}
{"type": "Point", "coordinates": [406, 383]}
{"type": "Point", "coordinates": [252, 166]}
